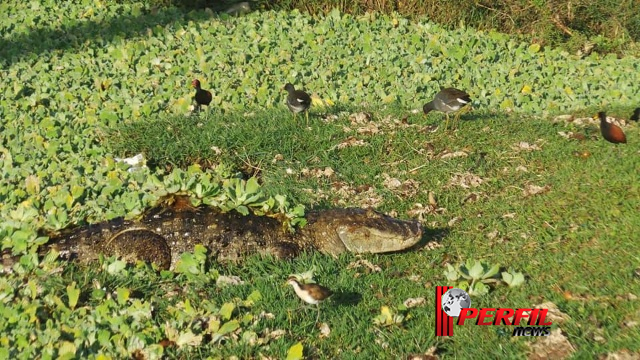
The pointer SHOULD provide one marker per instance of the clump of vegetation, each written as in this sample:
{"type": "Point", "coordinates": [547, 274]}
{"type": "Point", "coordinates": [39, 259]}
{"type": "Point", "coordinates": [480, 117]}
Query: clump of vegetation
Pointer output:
{"type": "Point", "coordinates": [475, 277]}
{"type": "Point", "coordinates": [579, 26]}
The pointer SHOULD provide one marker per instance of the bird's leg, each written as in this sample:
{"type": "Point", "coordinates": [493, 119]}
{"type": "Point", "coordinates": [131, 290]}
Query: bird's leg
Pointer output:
{"type": "Point", "coordinates": [306, 113]}
{"type": "Point", "coordinates": [318, 316]}
{"type": "Point", "coordinates": [446, 122]}
{"type": "Point", "coordinates": [463, 111]}
{"type": "Point", "coordinates": [456, 120]}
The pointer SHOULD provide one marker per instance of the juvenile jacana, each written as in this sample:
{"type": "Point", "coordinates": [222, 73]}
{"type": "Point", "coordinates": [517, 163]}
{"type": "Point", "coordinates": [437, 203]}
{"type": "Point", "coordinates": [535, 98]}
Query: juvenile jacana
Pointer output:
{"type": "Point", "coordinates": [448, 100]}
{"type": "Point", "coordinates": [610, 132]}
{"type": "Point", "coordinates": [297, 101]}
{"type": "Point", "coordinates": [202, 96]}
{"type": "Point", "coordinates": [310, 293]}
{"type": "Point", "coordinates": [636, 115]}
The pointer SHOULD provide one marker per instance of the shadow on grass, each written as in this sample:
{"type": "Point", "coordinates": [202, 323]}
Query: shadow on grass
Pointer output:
{"type": "Point", "coordinates": [428, 236]}
{"type": "Point", "coordinates": [75, 34]}
{"type": "Point", "coordinates": [346, 298]}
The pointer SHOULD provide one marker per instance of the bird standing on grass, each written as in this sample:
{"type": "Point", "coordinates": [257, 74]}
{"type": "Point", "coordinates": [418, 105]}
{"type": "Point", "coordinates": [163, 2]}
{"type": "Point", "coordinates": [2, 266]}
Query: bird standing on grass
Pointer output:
{"type": "Point", "coordinates": [611, 132]}
{"type": "Point", "coordinates": [202, 96]}
{"type": "Point", "coordinates": [310, 293]}
{"type": "Point", "coordinates": [298, 101]}
{"type": "Point", "coordinates": [448, 100]}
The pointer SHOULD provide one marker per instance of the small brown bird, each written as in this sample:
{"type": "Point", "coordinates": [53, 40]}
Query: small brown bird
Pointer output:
{"type": "Point", "coordinates": [636, 115]}
{"type": "Point", "coordinates": [448, 100]}
{"type": "Point", "coordinates": [298, 101]}
{"type": "Point", "coordinates": [202, 96]}
{"type": "Point", "coordinates": [611, 132]}
{"type": "Point", "coordinates": [310, 293]}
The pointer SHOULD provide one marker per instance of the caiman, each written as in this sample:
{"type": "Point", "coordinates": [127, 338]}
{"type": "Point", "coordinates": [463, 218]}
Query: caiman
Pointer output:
{"type": "Point", "coordinates": [162, 234]}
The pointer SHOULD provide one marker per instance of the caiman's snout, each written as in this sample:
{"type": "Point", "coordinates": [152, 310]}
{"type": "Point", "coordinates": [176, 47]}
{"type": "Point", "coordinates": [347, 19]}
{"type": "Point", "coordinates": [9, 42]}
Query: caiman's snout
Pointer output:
{"type": "Point", "coordinates": [398, 235]}
{"type": "Point", "coordinates": [361, 231]}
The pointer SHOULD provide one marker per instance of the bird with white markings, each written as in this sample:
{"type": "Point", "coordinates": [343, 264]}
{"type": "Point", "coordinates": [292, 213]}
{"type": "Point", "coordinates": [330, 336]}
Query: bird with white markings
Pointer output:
{"type": "Point", "coordinates": [447, 100]}
{"type": "Point", "coordinates": [298, 101]}
{"type": "Point", "coordinates": [310, 293]}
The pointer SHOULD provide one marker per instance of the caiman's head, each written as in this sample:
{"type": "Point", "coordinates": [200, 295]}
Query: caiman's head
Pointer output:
{"type": "Point", "coordinates": [360, 231]}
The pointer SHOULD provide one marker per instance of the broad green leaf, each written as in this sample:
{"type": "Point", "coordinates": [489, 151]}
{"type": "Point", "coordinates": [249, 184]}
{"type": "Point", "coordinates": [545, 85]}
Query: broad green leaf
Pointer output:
{"type": "Point", "coordinates": [116, 266]}
{"type": "Point", "coordinates": [123, 295]}
{"type": "Point", "coordinates": [534, 48]}
{"type": "Point", "coordinates": [476, 271]}
{"type": "Point", "coordinates": [228, 327]}
{"type": "Point", "coordinates": [295, 352]}
{"type": "Point", "coordinates": [226, 311]}
{"type": "Point", "coordinates": [493, 271]}
{"type": "Point", "coordinates": [73, 293]}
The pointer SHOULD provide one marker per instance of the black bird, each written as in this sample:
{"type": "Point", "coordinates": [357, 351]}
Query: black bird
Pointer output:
{"type": "Point", "coordinates": [611, 132]}
{"type": "Point", "coordinates": [202, 97]}
{"type": "Point", "coordinates": [447, 100]}
{"type": "Point", "coordinates": [298, 101]}
{"type": "Point", "coordinates": [636, 115]}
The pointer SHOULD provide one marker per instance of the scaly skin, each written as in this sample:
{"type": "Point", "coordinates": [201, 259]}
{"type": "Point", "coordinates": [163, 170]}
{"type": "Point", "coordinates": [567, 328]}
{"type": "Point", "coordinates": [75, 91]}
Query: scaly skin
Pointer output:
{"type": "Point", "coordinates": [164, 233]}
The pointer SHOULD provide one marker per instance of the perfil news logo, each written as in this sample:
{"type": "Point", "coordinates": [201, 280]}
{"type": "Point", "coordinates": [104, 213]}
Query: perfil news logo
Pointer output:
{"type": "Point", "coordinates": [452, 302]}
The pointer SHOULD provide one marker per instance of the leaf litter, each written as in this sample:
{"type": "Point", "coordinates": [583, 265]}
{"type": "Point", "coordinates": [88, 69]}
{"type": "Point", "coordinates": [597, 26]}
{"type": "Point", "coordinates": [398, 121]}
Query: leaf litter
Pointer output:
{"type": "Point", "coordinates": [554, 346]}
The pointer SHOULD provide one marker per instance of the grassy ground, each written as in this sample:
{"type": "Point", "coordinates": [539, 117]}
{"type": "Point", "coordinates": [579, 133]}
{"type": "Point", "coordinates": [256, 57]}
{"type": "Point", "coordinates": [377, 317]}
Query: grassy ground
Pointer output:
{"type": "Point", "coordinates": [508, 189]}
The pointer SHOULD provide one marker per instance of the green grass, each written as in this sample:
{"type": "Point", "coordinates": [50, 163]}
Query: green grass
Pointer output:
{"type": "Point", "coordinates": [577, 238]}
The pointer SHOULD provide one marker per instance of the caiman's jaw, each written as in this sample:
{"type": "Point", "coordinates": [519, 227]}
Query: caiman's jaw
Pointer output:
{"type": "Point", "coordinates": [361, 231]}
{"type": "Point", "coordinates": [372, 240]}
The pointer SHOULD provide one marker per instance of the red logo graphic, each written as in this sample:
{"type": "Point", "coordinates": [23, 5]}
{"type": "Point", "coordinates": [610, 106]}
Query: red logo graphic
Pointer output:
{"type": "Point", "coordinates": [444, 322]}
{"type": "Point", "coordinates": [452, 302]}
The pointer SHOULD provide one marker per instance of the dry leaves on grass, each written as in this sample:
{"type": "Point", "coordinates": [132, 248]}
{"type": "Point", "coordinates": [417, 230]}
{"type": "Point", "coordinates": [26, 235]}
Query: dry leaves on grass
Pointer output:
{"type": "Point", "coordinates": [525, 146]}
{"type": "Point", "coordinates": [318, 173]}
{"type": "Point", "coordinates": [623, 354]}
{"type": "Point", "coordinates": [572, 135]}
{"type": "Point", "coordinates": [432, 245]}
{"type": "Point", "coordinates": [473, 197]}
{"type": "Point", "coordinates": [563, 118]}
{"type": "Point", "coordinates": [363, 196]}
{"type": "Point", "coordinates": [359, 118]}
{"type": "Point", "coordinates": [364, 263]}
{"type": "Point", "coordinates": [369, 267]}
{"type": "Point", "coordinates": [325, 331]}
{"type": "Point", "coordinates": [369, 129]}
{"type": "Point", "coordinates": [351, 141]}
{"type": "Point", "coordinates": [530, 190]}
{"type": "Point", "coordinates": [589, 121]}
{"type": "Point", "coordinates": [390, 183]}
{"type": "Point", "coordinates": [408, 188]}
{"type": "Point", "coordinates": [554, 314]}
{"type": "Point", "coordinates": [552, 347]}
{"type": "Point", "coordinates": [466, 180]}
{"type": "Point", "coordinates": [428, 355]}
{"type": "Point", "coordinates": [419, 211]}
{"type": "Point", "coordinates": [228, 280]}
{"type": "Point", "coordinates": [413, 302]}
{"type": "Point", "coordinates": [446, 154]}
